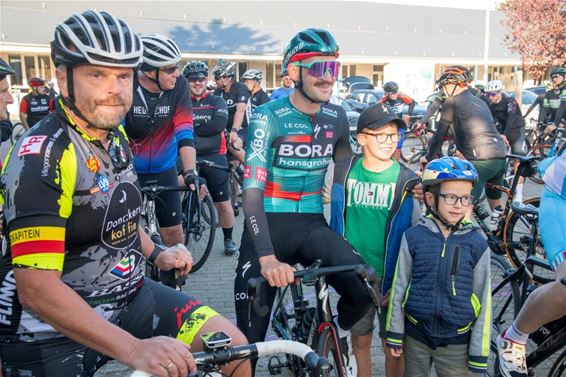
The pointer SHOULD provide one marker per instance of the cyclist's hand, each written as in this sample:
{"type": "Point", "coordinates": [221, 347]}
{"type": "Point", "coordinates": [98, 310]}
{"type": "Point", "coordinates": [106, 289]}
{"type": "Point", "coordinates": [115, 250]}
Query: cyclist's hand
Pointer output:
{"type": "Point", "coordinates": [175, 258]}
{"type": "Point", "coordinates": [276, 273]}
{"type": "Point", "coordinates": [422, 163]}
{"type": "Point", "coordinates": [396, 352]}
{"type": "Point", "coordinates": [406, 118]}
{"type": "Point", "coordinates": [549, 128]}
{"type": "Point", "coordinates": [190, 180]}
{"type": "Point", "coordinates": [234, 138]}
{"type": "Point", "coordinates": [162, 356]}
{"type": "Point", "coordinates": [203, 190]}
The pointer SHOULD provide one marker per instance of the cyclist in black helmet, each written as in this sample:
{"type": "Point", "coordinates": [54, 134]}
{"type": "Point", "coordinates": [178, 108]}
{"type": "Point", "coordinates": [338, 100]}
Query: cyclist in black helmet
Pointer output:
{"type": "Point", "coordinates": [554, 103]}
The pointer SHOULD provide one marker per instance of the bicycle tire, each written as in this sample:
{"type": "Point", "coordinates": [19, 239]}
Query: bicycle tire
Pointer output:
{"type": "Point", "coordinates": [197, 229]}
{"type": "Point", "coordinates": [505, 304]}
{"type": "Point", "coordinates": [517, 232]}
{"type": "Point", "coordinates": [17, 131]}
{"type": "Point", "coordinates": [327, 346]}
{"type": "Point", "coordinates": [559, 367]}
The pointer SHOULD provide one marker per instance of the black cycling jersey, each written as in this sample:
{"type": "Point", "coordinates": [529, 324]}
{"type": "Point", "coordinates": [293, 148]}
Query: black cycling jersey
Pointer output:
{"type": "Point", "coordinates": [210, 117]}
{"type": "Point", "coordinates": [238, 93]}
{"type": "Point", "coordinates": [36, 107]}
{"type": "Point", "coordinates": [507, 114]}
{"type": "Point", "coordinates": [475, 134]}
{"type": "Point", "coordinates": [554, 105]}
{"type": "Point", "coordinates": [258, 98]}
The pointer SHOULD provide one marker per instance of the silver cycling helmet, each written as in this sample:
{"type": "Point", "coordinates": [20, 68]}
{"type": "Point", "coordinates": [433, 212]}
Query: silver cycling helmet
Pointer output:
{"type": "Point", "coordinates": [253, 74]}
{"type": "Point", "coordinates": [159, 51]}
{"type": "Point", "coordinates": [96, 38]}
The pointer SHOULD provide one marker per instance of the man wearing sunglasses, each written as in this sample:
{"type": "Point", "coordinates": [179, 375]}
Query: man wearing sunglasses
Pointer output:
{"type": "Point", "coordinates": [291, 143]}
{"type": "Point", "coordinates": [554, 103]}
{"type": "Point", "coordinates": [160, 128]}
{"type": "Point", "coordinates": [210, 117]}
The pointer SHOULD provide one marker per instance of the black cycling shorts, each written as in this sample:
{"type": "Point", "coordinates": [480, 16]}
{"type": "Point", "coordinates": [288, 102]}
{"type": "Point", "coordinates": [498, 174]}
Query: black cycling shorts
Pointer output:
{"type": "Point", "coordinates": [155, 310]}
{"type": "Point", "coordinates": [168, 203]}
{"type": "Point", "coordinates": [217, 181]}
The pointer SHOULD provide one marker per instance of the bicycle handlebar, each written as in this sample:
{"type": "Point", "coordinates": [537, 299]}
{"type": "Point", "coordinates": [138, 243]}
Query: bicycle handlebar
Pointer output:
{"type": "Point", "coordinates": [309, 276]}
{"type": "Point", "coordinates": [223, 356]}
{"type": "Point", "coordinates": [213, 165]}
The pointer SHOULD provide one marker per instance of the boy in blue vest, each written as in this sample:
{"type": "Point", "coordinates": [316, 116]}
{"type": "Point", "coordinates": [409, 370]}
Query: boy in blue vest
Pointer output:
{"type": "Point", "coordinates": [440, 303]}
{"type": "Point", "coordinates": [372, 206]}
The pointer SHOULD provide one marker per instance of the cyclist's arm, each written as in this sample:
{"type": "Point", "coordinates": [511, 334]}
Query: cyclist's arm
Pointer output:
{"type": "Point", "coordinates": [23, 114]}
{"type": "Point", "coordinates": [437, 139]}
{"type": "Point", "coordinates": [480, 333]}
{"type": "Point", "coordinates": [433, 107]}
{"type": "Point", "coordinates": [512, 115]}
{"type": "Point", "coordinates": [218, 122]}
{"type": "Point", "coordinates": [183, 126]}
{"type": "Point", "coordinates": [241, 105]}
{"type": "Point", "coordinates": [395, 322]}
{"type": "Point", "coordinates": [543, 111]}
{"type": "Point", "coordinates": [537, 102]}
{"type": "Point", "coordinates": [44, 293]}
{"type": "Point", "coordinates": [410, 102]}
{"type": "Point", "coordinates": [262, 130]}
{"type": "Point", "coordinates": [562, 108]}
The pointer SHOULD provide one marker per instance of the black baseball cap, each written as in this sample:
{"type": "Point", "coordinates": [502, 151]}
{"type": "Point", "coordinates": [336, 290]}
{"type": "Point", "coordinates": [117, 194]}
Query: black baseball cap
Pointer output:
{"type": "Point", "coordinates": [377, 116]}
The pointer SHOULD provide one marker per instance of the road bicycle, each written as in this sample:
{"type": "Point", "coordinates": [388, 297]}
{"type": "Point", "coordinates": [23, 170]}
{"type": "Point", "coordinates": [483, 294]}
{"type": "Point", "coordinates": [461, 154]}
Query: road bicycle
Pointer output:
{"type": "Point", "coordinates": [217, 355]}
{"type": "Point", "coordinates": [311, 325]}
{"type": "Point", "coordinates": [546, 352]}
{"type": "Point", "coordinates": [550, 145]}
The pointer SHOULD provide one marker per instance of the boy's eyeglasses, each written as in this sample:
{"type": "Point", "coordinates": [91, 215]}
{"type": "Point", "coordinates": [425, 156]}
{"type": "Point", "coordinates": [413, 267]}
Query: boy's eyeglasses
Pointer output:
{"type": "Point", "coordinates": [491, 94]}
{"type": "Point", "coordinates": [169, 70]}
{"type": "Point", "coordinates": [197, 79]}
{"type": "Point", "coordinates": [382, 138]}
{"type": "Point", "coordinates": [451, 199]}
{"type": "Point", "coordinates": [319, 69]}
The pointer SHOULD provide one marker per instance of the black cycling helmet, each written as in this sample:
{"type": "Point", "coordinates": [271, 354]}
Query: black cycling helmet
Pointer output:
{"type": "Point", "coordinates": [308, 43]}
{"type": "Point", "coordinates": [558, 71]}
{"type": "Point", "coordinates": [5, 69]}
{"type": "Point", "coordinates": [227, 69]}
{"type": "Point", "coordinates": [195, 69]}
{"type": "Point", "coordinates": [390, 87]}
{"type": "Point", "coordinates": [96, 38]}
{"type": "Point", "coordinates": [216, 71]}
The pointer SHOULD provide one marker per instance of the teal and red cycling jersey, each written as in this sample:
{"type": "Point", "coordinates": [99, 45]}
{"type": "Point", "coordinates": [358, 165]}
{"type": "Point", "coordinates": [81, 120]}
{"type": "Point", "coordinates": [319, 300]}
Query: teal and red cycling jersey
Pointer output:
{"type": "Point", "coordinates": [287, 155]}
{"type": "Point", "coordinates": [158, 124]}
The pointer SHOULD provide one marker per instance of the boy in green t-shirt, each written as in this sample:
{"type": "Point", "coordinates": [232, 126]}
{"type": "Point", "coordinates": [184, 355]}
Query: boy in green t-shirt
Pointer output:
{"type": "Point", "coordinates": [372, 207]}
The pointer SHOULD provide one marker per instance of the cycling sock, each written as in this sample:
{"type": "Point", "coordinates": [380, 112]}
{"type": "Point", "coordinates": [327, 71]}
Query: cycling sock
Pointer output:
{"type": "Point", "coordinates": [227, 233]}
{"type": "Point", "coordinates": [341, 332]}
{"type": "Point", "coordinates": [518, 196]}
{"type": "Point", "coordinates": [514, 335]}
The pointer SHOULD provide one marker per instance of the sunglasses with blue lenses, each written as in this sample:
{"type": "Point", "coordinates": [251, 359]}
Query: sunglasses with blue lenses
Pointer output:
{"type": "Point", "coordinates": [318, 69]}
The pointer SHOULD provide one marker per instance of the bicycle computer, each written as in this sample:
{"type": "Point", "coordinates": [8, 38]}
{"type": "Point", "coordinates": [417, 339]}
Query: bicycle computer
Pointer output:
{"type": "Point", "coordinates": [214, 340]}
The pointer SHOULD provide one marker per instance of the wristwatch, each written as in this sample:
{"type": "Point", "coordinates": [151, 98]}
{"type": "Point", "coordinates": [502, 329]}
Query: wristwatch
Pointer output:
{"type": "Point", "coordinates": [234, 129]}
{"type": "Point", "coordinates": [157, 249]}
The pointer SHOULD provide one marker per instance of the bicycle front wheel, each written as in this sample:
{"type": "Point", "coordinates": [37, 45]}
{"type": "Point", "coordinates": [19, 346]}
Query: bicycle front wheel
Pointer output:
{"type": "Point", "coordinates": [327, 346]}
{"type": "Point", "coordinates": [200, 229]}
{"type": "Point", "coordinates": [17, 131]}
{"type": "Point", "coordinates": [559, 367]}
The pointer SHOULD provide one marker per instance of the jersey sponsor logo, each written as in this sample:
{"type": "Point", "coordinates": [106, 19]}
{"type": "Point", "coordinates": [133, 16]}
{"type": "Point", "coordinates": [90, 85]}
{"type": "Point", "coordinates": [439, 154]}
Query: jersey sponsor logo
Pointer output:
{"type": "Point", "coordinates": [31, 145]}
{"type": "Point", "coordinates": [127, 265]}
{"type": "Point", "coordinates": [201, 117]}
{"type": "Point", "coordinates": [180, 312]}
{"type": "Point", "coordinates": [329, 134]}
{"type": "Point", "coordinates": [102, 182]}
{"type": "Point", "coordinates": [369, 194]}
{"type": "Point", "coordinates": [296, 126]}
{"type": "Point", "coordinates": [240, 296]}
{"type": "Point", "coordinates": [253, 223]}
{"type": "Point", "coordinates": [47, 155]}
{"type": "Point", "coordinates": [258, 116]}
{"type": "Point", "coordinates": [122, 214]}
{"type": "Point", "coordinates": [283, 111]}
{"type": "Point", "coordinates": [245, 268]}
{"type": "Point", "coordinates": [139, 110]}
{"type": "Point", "coordinates": [316, 131]}
{"type": "Point", "coordinates": [92, 164]}
{"type": "Point", "coordinates": [304, 150]}
{"type": "Point", "coordinates": [260, 174]}
{"type": "Point", "coordinates": [330, 112]}
{"type": "Point", "coordinates": [116, 292]}
{"type": "Point", "coordinates": [247, 171]}
{"type": "Point", "coordinates": [258, 145]}
{"type": "Point", "coordinates": [7, 293]}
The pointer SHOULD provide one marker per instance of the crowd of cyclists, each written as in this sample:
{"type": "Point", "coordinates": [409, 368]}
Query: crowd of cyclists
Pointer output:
{"type": "Point", "coordinates": [73, 294]}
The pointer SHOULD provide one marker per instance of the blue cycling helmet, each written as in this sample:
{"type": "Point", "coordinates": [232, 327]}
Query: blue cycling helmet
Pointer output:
{"type": "Point", "coordinates": [448, 169]}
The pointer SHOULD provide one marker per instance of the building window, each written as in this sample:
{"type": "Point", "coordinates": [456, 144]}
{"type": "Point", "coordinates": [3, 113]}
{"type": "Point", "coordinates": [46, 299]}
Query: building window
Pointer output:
{"type": "Point", "coordinates": [15, 62]}
{"type": "Point", "coordinates": [45, 67]}
{"type": "Point", "coordinates": [270, 76]}
{"type": "Point", "coordinates": [30, 67]}
{"type": "Point", "coordinates": [242, 68]}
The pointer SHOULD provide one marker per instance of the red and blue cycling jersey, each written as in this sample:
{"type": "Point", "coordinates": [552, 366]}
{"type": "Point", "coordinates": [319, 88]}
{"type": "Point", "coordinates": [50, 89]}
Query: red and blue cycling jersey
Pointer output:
{"type": "Point", "coordinates": [158, 125]}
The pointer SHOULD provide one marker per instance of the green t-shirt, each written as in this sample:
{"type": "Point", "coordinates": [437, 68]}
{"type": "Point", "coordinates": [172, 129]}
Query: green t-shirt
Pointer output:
{"type": "Point", "coordinates": [369, 197]}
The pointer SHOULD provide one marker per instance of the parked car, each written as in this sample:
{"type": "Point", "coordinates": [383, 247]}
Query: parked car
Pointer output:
{"type": "Point", "coordinates": [349, 84]}
{"type": "Point", "coordinates": [538, 90]}
{"type": "Point", "coordinates": [352, 120]}
{"type": "Point", "coordinates": [529, 97]}
{"type": "Point", "coordinates": [368, 97]}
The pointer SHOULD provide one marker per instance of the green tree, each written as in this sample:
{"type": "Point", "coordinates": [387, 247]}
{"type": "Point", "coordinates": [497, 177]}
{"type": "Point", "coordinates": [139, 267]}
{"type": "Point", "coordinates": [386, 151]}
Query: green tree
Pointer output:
{"type": "Point", "coordinates": [537, 32]}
